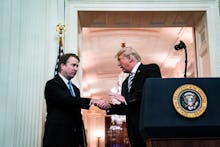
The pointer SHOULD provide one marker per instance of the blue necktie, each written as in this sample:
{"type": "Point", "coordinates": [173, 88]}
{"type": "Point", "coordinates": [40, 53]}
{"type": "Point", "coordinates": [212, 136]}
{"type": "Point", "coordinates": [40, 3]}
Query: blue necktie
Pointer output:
{"type": "Point", "coordinates": [71, 88]}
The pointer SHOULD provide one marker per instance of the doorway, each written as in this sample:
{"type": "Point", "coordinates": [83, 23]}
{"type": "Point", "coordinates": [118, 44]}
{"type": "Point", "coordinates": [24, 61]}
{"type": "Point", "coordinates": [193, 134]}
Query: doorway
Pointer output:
{"type": "Point", "coordinates": [153, 38]}
{"type": "Point", "coordinates": [91, 18]}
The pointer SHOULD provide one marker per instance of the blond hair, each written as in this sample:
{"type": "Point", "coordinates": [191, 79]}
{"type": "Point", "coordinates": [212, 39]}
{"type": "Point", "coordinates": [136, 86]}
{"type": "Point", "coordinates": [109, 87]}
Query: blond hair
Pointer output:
{"type": "Point", "coordinates": [129, 52]}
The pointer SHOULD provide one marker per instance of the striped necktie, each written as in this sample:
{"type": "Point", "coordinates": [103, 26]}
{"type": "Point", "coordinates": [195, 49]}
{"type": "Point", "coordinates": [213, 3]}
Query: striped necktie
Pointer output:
{"type": "Point", "coordinates": [71, 88]}
{"type": "Point", "coordinates": [130, 80]}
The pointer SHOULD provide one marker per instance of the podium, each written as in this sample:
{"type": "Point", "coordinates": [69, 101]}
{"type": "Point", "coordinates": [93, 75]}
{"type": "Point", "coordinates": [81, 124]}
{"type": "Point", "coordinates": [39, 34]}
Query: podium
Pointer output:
{"type": "Point", "coordinates": [163, 123]}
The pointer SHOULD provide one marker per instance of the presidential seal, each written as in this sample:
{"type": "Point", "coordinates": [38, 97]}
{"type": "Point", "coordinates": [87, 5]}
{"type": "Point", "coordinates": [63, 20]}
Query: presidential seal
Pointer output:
{"type": "Point", "coordinates": [189, 101]}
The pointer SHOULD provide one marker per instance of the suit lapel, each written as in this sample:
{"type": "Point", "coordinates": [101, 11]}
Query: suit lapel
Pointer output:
{"type": "Point", "coordinates": [61, 83]}
{"type": "Point", "coordinates": [137, 74]}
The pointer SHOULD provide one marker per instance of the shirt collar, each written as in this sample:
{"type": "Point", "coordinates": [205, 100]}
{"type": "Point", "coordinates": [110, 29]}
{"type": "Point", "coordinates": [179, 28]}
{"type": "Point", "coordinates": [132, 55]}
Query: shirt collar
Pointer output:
{"type": "Point", "coordinates": [135, 67]}
{"type": "Point", "coordinates": [64, 79]}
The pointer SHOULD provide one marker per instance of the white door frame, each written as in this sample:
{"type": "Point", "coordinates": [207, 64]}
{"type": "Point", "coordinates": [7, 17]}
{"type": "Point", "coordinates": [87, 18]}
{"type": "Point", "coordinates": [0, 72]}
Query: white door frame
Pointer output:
{"type": "Point", "coordinates": [210, 6]}
{"type": "Point", "coordinates": [73, 32]}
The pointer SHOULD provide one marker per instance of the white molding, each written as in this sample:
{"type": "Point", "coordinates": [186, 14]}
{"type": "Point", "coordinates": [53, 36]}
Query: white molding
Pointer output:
{"type": "Point", "coordinates": [73, 7]}
{"type": "Point", "coordinates": [135, 1]}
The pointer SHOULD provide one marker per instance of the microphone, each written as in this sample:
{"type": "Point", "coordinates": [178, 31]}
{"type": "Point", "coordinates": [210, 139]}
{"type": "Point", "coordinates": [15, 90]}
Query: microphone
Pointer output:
{"type": "Point", "coordinates": [180, 45]}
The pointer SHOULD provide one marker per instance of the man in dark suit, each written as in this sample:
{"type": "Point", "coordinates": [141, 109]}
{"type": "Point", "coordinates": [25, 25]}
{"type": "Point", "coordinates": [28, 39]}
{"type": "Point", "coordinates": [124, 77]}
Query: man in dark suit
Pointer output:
{"type": "Point", "coordinates": [130, 62]}
{"type": "Point", "coordinates": [64, 125]}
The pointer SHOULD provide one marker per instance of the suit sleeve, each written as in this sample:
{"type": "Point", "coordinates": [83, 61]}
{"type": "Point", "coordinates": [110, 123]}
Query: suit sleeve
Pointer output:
{"type": "Point", "coordinates": [116, 109]}
{"type": "Point", "coordinates": [56, 94]}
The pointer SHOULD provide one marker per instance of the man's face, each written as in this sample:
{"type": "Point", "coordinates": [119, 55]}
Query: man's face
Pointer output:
{"type": "Point", "coordinates": [124, 63]}
{"type": "Point", "coordinates": [70, 69]}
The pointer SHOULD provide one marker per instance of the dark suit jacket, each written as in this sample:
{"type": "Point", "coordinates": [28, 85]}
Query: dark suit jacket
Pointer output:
{"type": "Point", "coordinates": [64, 123]}
{"type": "Point", "coordinates": [133, 98]}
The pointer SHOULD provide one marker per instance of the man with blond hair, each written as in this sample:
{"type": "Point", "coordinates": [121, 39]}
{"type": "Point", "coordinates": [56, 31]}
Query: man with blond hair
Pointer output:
{"type": "Point", "coordinates": [131, 94]}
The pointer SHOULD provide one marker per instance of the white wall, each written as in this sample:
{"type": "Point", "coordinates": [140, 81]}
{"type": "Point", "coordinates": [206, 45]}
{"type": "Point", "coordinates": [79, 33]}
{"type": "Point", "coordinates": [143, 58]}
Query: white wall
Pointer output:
{"type": "Point", "coordinates": [27, 57]}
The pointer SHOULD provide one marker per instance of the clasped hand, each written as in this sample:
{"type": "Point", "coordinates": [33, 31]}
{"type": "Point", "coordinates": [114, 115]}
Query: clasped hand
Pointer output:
{"type": "Point", "coordinates": [117, 98]}
{"type": "Point", "coordinates": [101, 103]}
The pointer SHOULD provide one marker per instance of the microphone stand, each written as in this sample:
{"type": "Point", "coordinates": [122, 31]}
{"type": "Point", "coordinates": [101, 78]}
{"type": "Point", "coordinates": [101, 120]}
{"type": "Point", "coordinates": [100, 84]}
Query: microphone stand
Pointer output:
{"type": "Point", "coordinates": [180, 46]}
{"type": "Point", "coordinates": [186, 61]}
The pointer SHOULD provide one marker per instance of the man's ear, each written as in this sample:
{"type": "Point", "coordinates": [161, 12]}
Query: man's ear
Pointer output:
{"type": "Point", "coordinates": [130, 58]}
{"type": "Point", "coordinates": [62, 65]}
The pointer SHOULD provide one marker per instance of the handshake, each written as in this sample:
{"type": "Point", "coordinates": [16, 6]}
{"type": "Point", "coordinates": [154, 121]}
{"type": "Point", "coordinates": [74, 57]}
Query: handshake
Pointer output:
{"type": "Point", "coordinates": [117, 99]}
{"type": "Point", "coordinates": [101, 103]}
{"type": "Point", "coordinates": [104, 104]}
